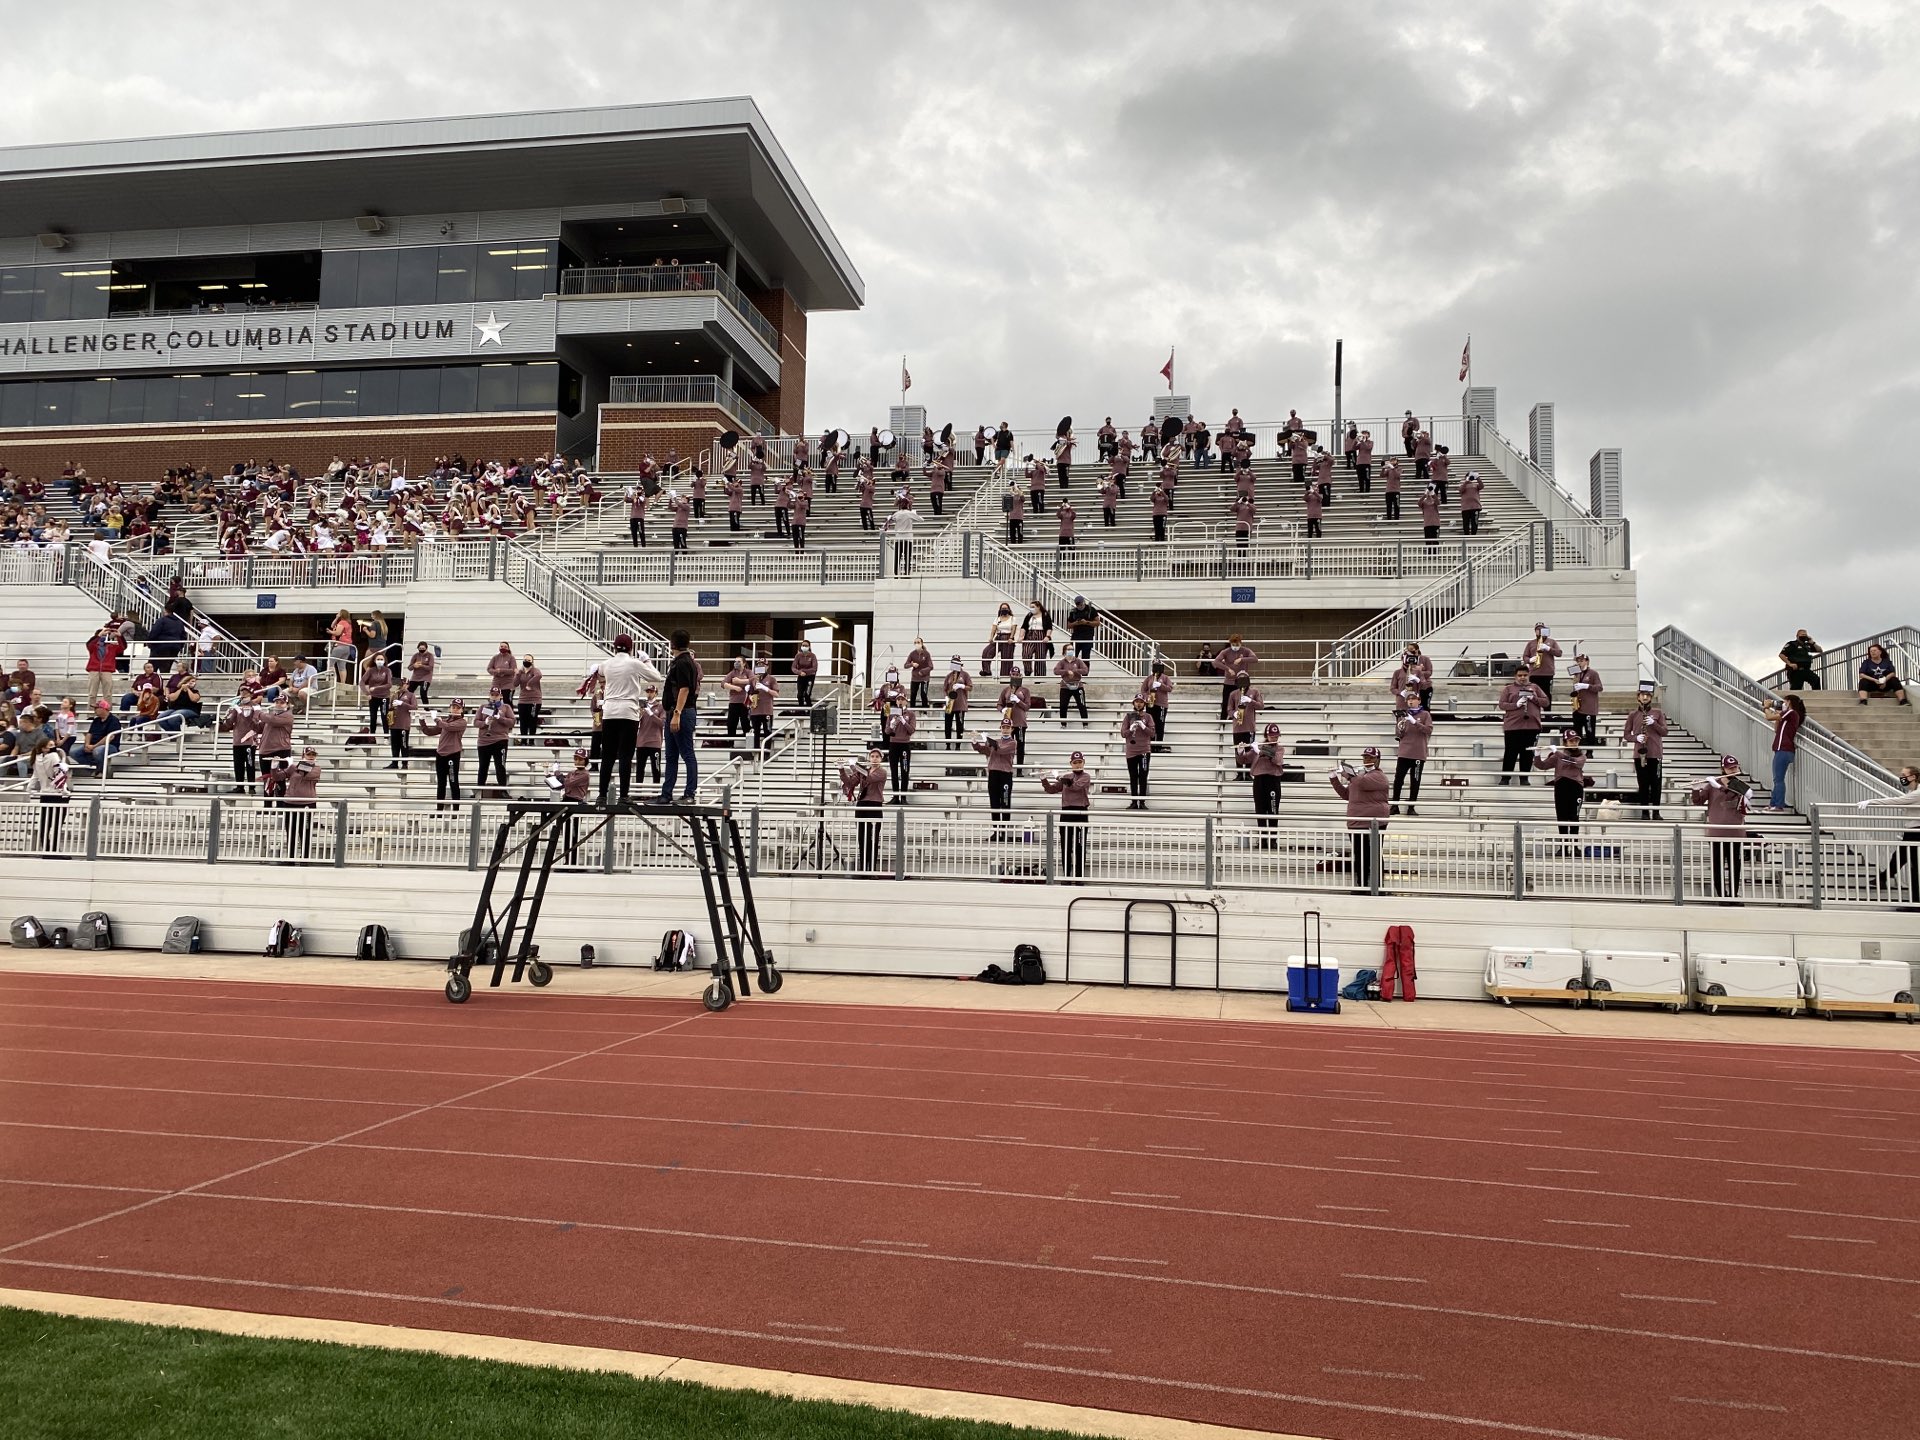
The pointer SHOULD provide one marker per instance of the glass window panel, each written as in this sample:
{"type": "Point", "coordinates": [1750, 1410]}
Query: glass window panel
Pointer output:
{"type": "Point", "coordinates": [303, 395]}
{"type": "Point", "coordinates": [419, 391]}
{"type": "Point", "coordinates": [267, 397]}
{"type": "Point", "coordinates": [534, 269]}
{"type": "Point", "coordinates": [54, 294]}
{"type": "Point", "coordinates": [456, 274]}
{"type": "Point", "coordinates": [53, 401]}
{"type": "Point", "coordinates": [196, 397]}
{"type": "Point", "coordinates": [538, 383]}
{"type": "Point", "coordinates": [499, 388]}
{"type": "Point", "coordinates": [128, 402]}
{"type": "Point", "coordinates": [340, 392]}
{"type": "Point", "coordinates": [379, 392]}
{"type": "Point", "coordinates": [162, 402]}
{"type": "Point", "coordinates": [90, 292]}
{"type": "Point", "coordinates": [378, 272]}
{"type": "Point", "coordinates": [17, 286]}
{"type": "Point", "coordinates": [339, 279]}
{"type": "Point", "coordinates": [457, 386]}
{"type": "Point", "coordinates": [494, 277]}
{"type": "Point", "coordinates": [418, 276]}
{"type": "Point", "coordinates": [92, 400]}
{"type": "Point", "coordinates": [228, 390]}
{"type": "Point", "coordinates": [16, 404]}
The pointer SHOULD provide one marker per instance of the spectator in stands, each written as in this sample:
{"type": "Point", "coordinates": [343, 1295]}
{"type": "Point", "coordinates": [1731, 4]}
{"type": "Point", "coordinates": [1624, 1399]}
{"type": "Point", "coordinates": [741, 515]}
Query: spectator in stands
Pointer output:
{"type": "Point", "coordinates": [1878, 678]}
{"type": "Point", "coordinates": [50, 777]}
{"type": "Point", "coordinates": [1786, 719]}
{"type": "Point", "coordinates": [181, 705]}
{"type": "Point", "coordinates": [103, 655]}
{"type": "Point", "coordinates": [1082, 621]}
{"type": "Point", "coordinates": [1568, 766]}
{"type": "Point", "coordinates": [1365, 792]}
{"type": "Point", "coordinates": [103, 739]}
{"type": "Point", "coordinates": [302, 681]}
{"type": "Point", "coordinates": [1036, 635]}
{"type": "Point", "coordinates": [1413, 733]}
{"type": "Point", "coordinates": [1797, 657]}
{"type": "Point", "coordinates": [1001, 635]}
{"type": "Point", "coordinates": [449, 732]}
{"type": "Point", "coordinates": [681, 700]}
{"type": "Point", "coordinates": [1907, 853]}
{"type": "Point", "coordinates": [23, 682]}
{"type": "Point", "coordinates": [373, 634]}
{"type": "Point", "coordinates": [340, 634]}
{"type": "Point", "coordinates": [149, 678]}
{"type": "Point", "coordinates": [167, 637]}
{"type": "Point", "coordinates": [1725, 798]}
{"type": "Point", "coordinates": [1523, 707]}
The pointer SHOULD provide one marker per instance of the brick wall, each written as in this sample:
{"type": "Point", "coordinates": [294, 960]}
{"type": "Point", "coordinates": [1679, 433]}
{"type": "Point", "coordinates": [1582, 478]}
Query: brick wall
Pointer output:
{"type": "Point", "coordinates": [785, 406]}
{"type": "Point", "coordinates": [140, 452]}
{"type": "Point", "coordinates": [630, 432]}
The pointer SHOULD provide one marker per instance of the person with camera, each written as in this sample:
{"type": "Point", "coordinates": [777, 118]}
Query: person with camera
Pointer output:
{"type": "Point", "coordinates": [1075, 789]}
{"type": "Point", "coordinates": [1786, 718]}
{"type": "Point", "coordinates": [1523, 708]}
{"type": "Point", "coordinates": [1644, 733]}
{"type": "Point", "coordinates": [1366, 792]}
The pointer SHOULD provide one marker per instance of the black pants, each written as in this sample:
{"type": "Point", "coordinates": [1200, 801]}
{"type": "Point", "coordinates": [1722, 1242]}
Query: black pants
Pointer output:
{"type": "Point", "coordinates": [1409, 772]}
{"type": "Point", "coordinates": [1518, 755]}
{"type": "Point", "coordinates": [1393, 505]}
{"type": "Point", "coordinates": [917, 692]}
{"type": "Point", "coordinates": [1587, 727]}
{"type": "Point", "coordinates": [1365, 472]}
{"type": "Point", "coordinates": [446, 776]}
{"type": "Point", "coordinates": [1226, 700]}
{"type": "Point", "coordinates": [299, 828]}
{"type": "Point", "coordinates": [376, 715]}
{"type": "Point", "coordinates": [866, 518]}
{"type": "Point", "coordinates": [617, 739]}
{"type": "Point", "coordinates": [1072, 697]}
{"type": "Point", "coordinates": [1469, 522]}
{"type": "Point", "coordinates": [1432, 532]}
{"type": "Point", "coordinates": [1908, 854]}
{"type": "Point", "coordinates": [737, 721]}
{"type": "Point", "coordinates": [1109, 516]}
{"type": "Point", "coordinates": [1066, 542]}
{"type": "Point", "coordinates": [1545, 682]}
{"type": "Point", "coordinates": [869, 817]}
{"type": "Point", "coordinates": [1299, 474]}
{"type": "Point", "coordinates": [636, 531]}
{"type": "Point", "coordinates": [1802, 679]}
{"type": "Point", "coordinates": [1726, 866]}
{"type": "Point", "coordinates": [757, 492]}
{"type": "Point", "coordinates": [1646, 774]}
{"type": "Point", "coordinates": [1266, 804]}
{"type": "Point", "coordinates": [1440, 490]}
{"type": "Point", "coordinates": [1421, 471]}
{"type": "Point", "coordinates": [1158, 714]}
{"type": "Point", "coordinates": [1000, 796]}
{"type": "Point", "coordinates": [647, 756]}
{"type": "Point", "coordinates": [1073, 842]}
{"type": "Point", "coordinates": [679, 537]}
{"type": "Point", "coordinates": [803, 687]}
{"type": "Point", "coordinates": [733, 521]}
{"type": "Point", "coordinates": [955, 727]}
{"type": "Point", "coordinates": [900, 767]}
{"type": "Point", "coordinates": [400, 742]}
{"type": "Point", "coordinates": [419, 688]}
{"type": "Point", "coordinates": [939, 498]}
{"type": "Point", "coordinates": [1313, 527]}
{"type": "Point", "coordinates": [762, 730]}
{"type": "Point", "coordinates": [53, 819]}
{"type": "Point", "coordinates": [1065, 472]}
{"type": "Point", "coordinates": [779, 519]}
{"type": "Point", "coordinates": [1566, 805]}
{"type": "Point", "coordinates": [700, 504]}
{"type": "Point", "coordinates": [1083, 648]}
{"type": "Point", "coordinates": [1016, 531]}
{"type": "Point", "coordinates": [799, 533]}
{"type": "Point", "coordinates": [493, 757]}
{"type": "Point", "coordinates": [1137, 767]}
{"type": "Point", "coordinates": [1037, 502]}
{"type": "Point", "coordinates": [246, 769]}
{"type": "Point", "coordinates": [1159, 527]}
{"type": "Point", "coordinates": [1363, 857]}
{"type": "Point", "coordinates": [529, 718]}
{"type": "Point", "coordinates": [1020, 744]}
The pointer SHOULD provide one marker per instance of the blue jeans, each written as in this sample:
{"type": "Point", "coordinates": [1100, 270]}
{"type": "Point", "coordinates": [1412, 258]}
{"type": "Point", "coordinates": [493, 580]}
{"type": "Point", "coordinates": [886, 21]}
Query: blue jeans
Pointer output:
{"type": "Point", "coordinates": [679, 746]}
{"type": "Point", "coordinates": [1782, 762]}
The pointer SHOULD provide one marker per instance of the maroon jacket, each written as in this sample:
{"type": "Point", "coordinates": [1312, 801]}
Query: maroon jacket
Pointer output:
{"type": "Point", "coordinates": [526, 682]}
{"type": "Point", "coordinates": [900, 726]}
{"type": "Point", "coordinates": [496, 724]}
{"type": "Point", "coordinates": [1726, 815]}
{"type": "Point", "coordinates": [959, 684]}
{"type": "Point", "coordinates": [376, 679]}
{"type": "Point", "coordinates": [1000, 750]}
{"type": "Point", "coordinates": [400, 712]}
{"type": "Point", "coordinates": [920, 664]}
{"type": "Point", "coordinates": [420, 667]}
{"type": "Point", "coordinates": [652, 726]}
{"type": "Point", "coordinates": [576, 784]}
{"type": "Point", "coordinates": [1549, 648]}
{"type": "Point", "coordinates": [1075, 789]}
{"type": "Point", "coordinates": [500, 668]}
{"type": "Point", "coordinates": [1429, 507]}
{"type": "Point", "coordinates": [1020, 699]}
{"type": "Point", "coordinates": [1564, 766]}
{"type": "Point", "coordinates": [864, 786]}
{"type": "Point", "coordinates": [303, 781]}
{"type": "Point", "coordinates": [1390, 477]}
{"type": "Point", "coordinates": [1067, 515]}
{"type": "Point", "coordinates": [1071, 670]}
{"type": "Point", "coordinates": [1470, 489]}
{"type": "Point", "coordinates": [805, 662]}
{"type": "Point", "coordinates": [1230, 660]}
{"type": "Point", "coordinates": [1587, 688]}
{"type": "Point", "coordinates": [1646, 732]}
{"type": "Point", "coordinates": [1415, 732]}
{"type": "Point", "coordinates": [1266, 758]}
{"type": "Point", "coordinates": [1522, 704]}
{"type": "Point", "coordinates": [1136, 734]}
{"type": "Point", "coordinates": [276, 732]}
{"type": "Point", "coordinates": [451, 730]}
{"type": "Point", "coordinates": [1367, 795]}
{"type": "Point", "coordinates": [245, 726]}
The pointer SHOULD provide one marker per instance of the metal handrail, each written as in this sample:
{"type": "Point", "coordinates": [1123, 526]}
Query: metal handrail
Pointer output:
{"type": "Point", "coordinates": [687, 390]}
{"type": "Point", "coordinates": [1842, 664]}
{"type": "Point", "coordinates": [669, 280]}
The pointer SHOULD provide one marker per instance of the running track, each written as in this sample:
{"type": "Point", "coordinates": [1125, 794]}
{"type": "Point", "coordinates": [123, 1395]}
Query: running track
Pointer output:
{"type": "Point", "coordinates": [1358, 1235]}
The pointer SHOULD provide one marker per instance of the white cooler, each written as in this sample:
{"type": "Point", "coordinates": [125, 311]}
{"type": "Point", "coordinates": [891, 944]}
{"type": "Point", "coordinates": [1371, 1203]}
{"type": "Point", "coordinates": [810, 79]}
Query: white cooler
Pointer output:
{"type": "Point", "coordinates": [1515, 972]}
{"type": "Point", "coordinates": [1649, 977]}
{"type": "Point", "coordinates": [1768, 982]}
{"type": "Point", "coordinates": [1879, 986]}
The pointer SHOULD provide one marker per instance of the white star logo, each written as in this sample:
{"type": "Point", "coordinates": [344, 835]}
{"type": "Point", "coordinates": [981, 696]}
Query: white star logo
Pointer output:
{"type": "Point", "coordinates": [490, 329]}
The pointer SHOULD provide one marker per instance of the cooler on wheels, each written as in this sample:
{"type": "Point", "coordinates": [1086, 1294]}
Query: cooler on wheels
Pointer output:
{"type": "Point", "coordinates": [1313, 985]}
{"type": "Point", "coordinates": [1516, 972]}
{"type": "Point", "coordinates": [1756, 982]}
{"type": "Point", "coordinates": [1859, 987]}
{"type": "Point", "coordinates": [1642, 977]}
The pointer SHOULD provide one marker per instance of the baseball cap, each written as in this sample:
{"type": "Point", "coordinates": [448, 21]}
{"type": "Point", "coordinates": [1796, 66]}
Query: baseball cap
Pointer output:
{"type": "Point", "coordinates": [1077, 755]}
{"type": "Point", "coordinates": [1726, 760]}
{"type": "Point", "coordinates": [1372, 752]}
{"type": "Point", "coordinates": [1273, 732]}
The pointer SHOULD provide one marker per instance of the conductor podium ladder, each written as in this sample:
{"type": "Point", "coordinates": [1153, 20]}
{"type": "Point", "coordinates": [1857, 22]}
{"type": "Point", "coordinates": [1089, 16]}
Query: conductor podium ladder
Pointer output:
{"type": "Point", "coordinates": [537, 835]}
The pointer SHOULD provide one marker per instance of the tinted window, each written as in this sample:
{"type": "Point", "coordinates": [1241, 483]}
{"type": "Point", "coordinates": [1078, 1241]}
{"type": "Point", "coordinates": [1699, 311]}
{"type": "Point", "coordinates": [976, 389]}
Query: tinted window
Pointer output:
{"type": "Point", "coordinates": [90, 292]}
{"type": "Point", "coordinates": [127, 405]}
{"type": "Point", "coordinates": [537, 385]}
{"type": "Point", "coordinates": [533, 270]}
{"type": "Point", "coordinates": [162, 402]}
{"type": "Point", "coordinates": [456, 274]}
{"type": "Point", "coordinates": [457, 384]}
{"type": "Point", "coordinates": [303, 395]}
{"type": "Point", "coordinates": [16, 296]}
{"type": "Point", "coordinates": [339, 279]}
{"type": "Point", "coordinates": [267, 399]}
{"type": "Point", "coordinates": [53, 297]}
{"type": "Point", "coordinates": [229, 397]}
{"type": "Point", "coordinates": [90, 402]}
{"type": "Point", "coordinates": [499, 388]}
{"type": "Point", "coordinates": [340, 392]}
{"type": "Point", "coordinates": [419, 391]}
{"type": "Point", "coordinates": [196, 397]}
{"type": "Point", "coordinates": [378, 272]}
{"type": "Point", "coordinates": [379, 392]}
{"type": "Point", "coordinates": [53, 401]}
{"type": "Point", "coordinates": [418, 277]}
{"type": "Point", "coordinates": [495, 279]}
{"type": "Point", "coordinates": [16, 404]}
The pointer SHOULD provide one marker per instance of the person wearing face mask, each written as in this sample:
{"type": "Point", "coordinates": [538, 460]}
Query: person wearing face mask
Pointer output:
{"type": "Point", "coordinates": [806, 666]}
{"type": "Point", "coordinates": [1001, 637]}
{"type": "Point", "coordinates": [1726, 799]}
{"type": "Point", "coordinates": [891, 695]}
{"type": "Point", "coordinates": [1000, 751]}
{"type": "Point", "coordinates": [449, 732]}
{"type": "Point", "coordinates": [529, 693]}
{"type": "Point", "coordinates": [736, 683]}
{"type": "Point", "coordinates": [900, 723]}
{"type": "Point", "coordinates": [299, 799]}
{"type": "Point", "coordinates": [1587, 688]}
{"type": "Point", "coordinates": [1072, 673]}
{"type": "Point", "coordinates": [764, 693]}
{"type": "Point", "coordinates": [1015, 700]}
{"type": "Point", "coordinates": [957, 687]}
{"type": "Point", "coordinates": [276, 732]}
{"type": "Point", "coordinates": [1365, 792]}
{"type": "Point", "coordinates": [494, 729]}
{"type": "Point", "coordinates": [650, 735]}
{"type": "Point", "coordinates": [1232, 660]}
{"type": "Point", "coordinates": [865, 787]}
{"type": "Point", "coordinates": [1138, 731]}
{"type": "Point", "coordinates": [919, 672]}
{"type": "Point", "coordinates": [1075, 789]}
{"type": "Point", "coordinates": [1645, 734]}
{"type": "Point", "coordinates": [1907, 853]}
{"type": "Point", "coordinates": [1568, 766]}
{"type": "Point", "coordinates": [1266, 762]}
{"type": "Point", "coordinates": [1523, 708]}
{"type": "Point", "coordinates": [1243, 712]}
{"type": "Point", "coordinates": [1413, 732]}
{"type": "Point", "coordinates": [1157, 689]}
{"type": "Point", "coordinates": [420, 674]}
{"type": "Point", "coordinates": [1414, 673]}
{"type": "Point", "coordinates": [500, 669]}
{"type": "Point", "coordinates": [243, 721]}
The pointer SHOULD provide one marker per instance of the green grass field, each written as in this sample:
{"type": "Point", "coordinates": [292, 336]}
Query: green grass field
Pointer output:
{"type": "Point", "coordinates": [65, 1379]}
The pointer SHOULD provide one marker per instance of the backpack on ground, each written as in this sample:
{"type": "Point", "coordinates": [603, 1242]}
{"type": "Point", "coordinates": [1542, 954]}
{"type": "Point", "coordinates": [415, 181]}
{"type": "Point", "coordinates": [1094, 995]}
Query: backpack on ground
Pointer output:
{"type": "Point", "coordinates": [94, 932]}
{"type": "Point", "coordinates": [28, 933]}
{"type": "Point", "coordinates": [1027, 967]}
{"type": "Point", "coordinates": [376, 943]}
{"type": "Point", "coordinates": [678, 951]}
{"type": "Point", "coordinates": [183, 937]}
{"type": "Point", "coordinates": [283, 940]}
{"type": "Point", "coordinates": [1399, 962]}
{"type": "Point", "coordinates": [1363, 986]}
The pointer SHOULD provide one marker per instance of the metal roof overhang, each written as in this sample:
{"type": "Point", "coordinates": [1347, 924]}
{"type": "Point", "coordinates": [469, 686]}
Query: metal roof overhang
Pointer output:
{"type": "Point", "coordinates": [721, 151]}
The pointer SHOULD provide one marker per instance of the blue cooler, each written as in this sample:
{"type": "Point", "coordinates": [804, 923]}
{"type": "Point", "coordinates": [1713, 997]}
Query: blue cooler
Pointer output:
{"type": "Point", "coordinates": [1313, 985]}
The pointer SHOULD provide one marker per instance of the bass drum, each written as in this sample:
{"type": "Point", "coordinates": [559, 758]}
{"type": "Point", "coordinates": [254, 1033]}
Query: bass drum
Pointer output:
{"type": "Point", "coordinates": [841, 439]}
{"type": "Point", "coordinates": [887, 440]}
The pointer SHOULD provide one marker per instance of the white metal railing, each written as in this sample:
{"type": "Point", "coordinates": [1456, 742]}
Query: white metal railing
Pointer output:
{"type": "Point", "coordinates": [669, 280]}
{"type": "Point", "coordinates": [285, 572]}
{"type": "Point", "coordinates": [1131, 651]}
{"type": "Point", "coordinates": [124, 587]}
{"type": "Point", "coordinates": [687, 390]}
{"type": "Point", "coordinates": [1839, 668]}
{"type": "Point", "coordinates": [1540, 489]}
{"type": "Point", "coordinates": [1290, 557]}
{"type": "Point", "coordinates": [741, 567]}
{"type": "Point", "coordinates": [575, 603]}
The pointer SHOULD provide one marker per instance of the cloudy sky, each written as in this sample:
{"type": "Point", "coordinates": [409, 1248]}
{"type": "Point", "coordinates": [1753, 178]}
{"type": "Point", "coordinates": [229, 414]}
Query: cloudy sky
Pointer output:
{"type": "Point", "coordinates": [1694, 227]}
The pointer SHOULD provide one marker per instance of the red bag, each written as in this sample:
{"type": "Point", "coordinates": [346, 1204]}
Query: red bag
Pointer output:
{"type": "Point", "coordinates": [1398, 962]}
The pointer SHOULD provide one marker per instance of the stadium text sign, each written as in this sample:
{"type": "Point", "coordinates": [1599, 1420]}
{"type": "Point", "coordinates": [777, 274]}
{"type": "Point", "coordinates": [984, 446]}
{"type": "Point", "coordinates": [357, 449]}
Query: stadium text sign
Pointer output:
{"type": "Point", "coordinates": [226, 335]}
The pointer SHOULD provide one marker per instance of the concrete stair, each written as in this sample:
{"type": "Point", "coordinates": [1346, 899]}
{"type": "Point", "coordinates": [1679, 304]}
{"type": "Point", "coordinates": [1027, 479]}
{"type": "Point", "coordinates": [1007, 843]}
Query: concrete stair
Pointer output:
{"type": "Point", "coordinates": [1885, 730]}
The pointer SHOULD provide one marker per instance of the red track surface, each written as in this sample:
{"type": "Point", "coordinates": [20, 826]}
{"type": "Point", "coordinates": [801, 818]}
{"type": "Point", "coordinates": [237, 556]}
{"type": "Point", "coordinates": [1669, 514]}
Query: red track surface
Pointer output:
{"type": "Point", "coordinates": [1341, 1233]}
